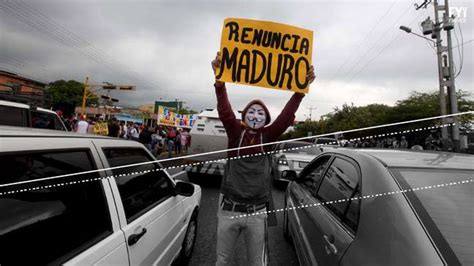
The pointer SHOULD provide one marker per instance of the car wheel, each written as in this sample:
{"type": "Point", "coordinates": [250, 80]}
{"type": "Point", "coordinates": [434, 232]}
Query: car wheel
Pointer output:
{"type": "Point", "coordinates": [189, 241]}
{"type": "Point", "coordinates": [286, 228]}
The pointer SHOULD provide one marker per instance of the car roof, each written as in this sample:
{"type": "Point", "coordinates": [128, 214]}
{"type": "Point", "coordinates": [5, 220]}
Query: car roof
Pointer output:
{"type": "Point", "coordinates": [11, 131]}
{"type": "Point", "coordinates": [415, 159]}
{"type": "Point", "coordinates": [24, 106]}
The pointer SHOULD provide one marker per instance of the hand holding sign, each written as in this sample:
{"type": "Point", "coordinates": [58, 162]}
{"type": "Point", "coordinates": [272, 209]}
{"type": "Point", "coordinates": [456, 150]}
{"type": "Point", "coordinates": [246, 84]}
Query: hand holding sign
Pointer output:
{"type": "Point", "coordinates": [265, 54]}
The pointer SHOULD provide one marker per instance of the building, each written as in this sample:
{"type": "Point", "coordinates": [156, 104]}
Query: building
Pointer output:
{"type": "Point", "coordinates": [14, 87]}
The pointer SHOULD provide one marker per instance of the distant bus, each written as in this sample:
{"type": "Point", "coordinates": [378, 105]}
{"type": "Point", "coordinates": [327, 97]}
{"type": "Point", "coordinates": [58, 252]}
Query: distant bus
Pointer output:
{"type": "Point", "coordinates": [208, 135]}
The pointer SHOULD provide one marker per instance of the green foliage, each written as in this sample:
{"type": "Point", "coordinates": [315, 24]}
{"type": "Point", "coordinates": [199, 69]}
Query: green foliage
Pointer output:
{"type": "Point", "coordinates": [66, 95]}
{"type": "Point", "coordinates": [417, 105]}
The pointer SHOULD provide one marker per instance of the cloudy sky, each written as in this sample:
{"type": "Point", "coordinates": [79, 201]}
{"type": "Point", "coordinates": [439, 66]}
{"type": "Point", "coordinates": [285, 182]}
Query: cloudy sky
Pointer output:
{"type": "Point", "coordinates": [165, 48]}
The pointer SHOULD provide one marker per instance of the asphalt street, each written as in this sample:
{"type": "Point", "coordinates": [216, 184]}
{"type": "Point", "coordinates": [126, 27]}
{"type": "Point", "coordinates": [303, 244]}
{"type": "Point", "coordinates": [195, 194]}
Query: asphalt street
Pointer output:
{"type": "Point", "coordinates": [281, 252]}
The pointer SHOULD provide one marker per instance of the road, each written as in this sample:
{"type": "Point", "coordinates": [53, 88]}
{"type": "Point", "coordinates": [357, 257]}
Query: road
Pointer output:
{"type": "Point", "coordinates": [281, 252]}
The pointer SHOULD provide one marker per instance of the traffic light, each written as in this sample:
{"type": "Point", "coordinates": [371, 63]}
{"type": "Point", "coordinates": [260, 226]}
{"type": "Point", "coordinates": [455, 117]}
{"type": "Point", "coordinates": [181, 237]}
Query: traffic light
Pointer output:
{"type": "Point", "coordinates": [106, 97]}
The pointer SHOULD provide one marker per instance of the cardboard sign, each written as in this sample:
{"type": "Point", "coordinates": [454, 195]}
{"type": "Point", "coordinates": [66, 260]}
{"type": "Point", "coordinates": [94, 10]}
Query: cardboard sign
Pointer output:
{"type": "Point", "coordinates": [101, 128]}
{"type": "Point", "coordinates": [265, 54]}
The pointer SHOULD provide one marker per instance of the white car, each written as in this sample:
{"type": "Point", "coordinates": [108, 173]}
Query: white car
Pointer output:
{"type": "Point", "coordinates": [72, 199]}
{"type": "Point", "coordinates": [294, 155]}
{"type": "Point", "coordinates": [23, 115]}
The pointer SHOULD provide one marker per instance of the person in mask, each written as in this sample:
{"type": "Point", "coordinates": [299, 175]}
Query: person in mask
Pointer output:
{"type": "Point", "coordinates": [246, 186]}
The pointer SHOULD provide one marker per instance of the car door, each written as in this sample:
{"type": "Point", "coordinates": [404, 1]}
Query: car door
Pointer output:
{"type": "Point", "coordinates": [302, 196]}
{"type": "Point", "coordinates": [333, 222]}
{"type": "Point", "coordinates": [69, 220]}
{"type": "Point", "coordinates": [150, 212]}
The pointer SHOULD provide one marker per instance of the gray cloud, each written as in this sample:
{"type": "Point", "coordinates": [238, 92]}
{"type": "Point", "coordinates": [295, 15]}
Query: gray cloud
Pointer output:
{"type": "Point", "coordinates": [169, 45]}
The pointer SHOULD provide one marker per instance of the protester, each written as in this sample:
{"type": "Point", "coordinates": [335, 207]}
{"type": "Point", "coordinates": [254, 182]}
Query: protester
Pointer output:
{"type": "Point", "coordinates": [133, 133]}
{"type": "Point", "coordinates": [145, 137]}
{"type": "Point", "coordinates": [114, 128]}
{"type": "Point", "coordinates": [185, 140]}
{"type": "Point", "coordinates": [403, 143]}
{"type": "Point", "coordinates": [82, 126]}
{"type": "Point", "coordinates": [177, 143]}
{"type": "Point", "coordinates": [246, 185]}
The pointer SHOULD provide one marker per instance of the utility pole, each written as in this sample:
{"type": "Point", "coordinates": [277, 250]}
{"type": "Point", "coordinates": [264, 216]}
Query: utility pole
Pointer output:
{"type": "Point", "coordinates": [439, 51]}
{"type": "Point", "coordinates": [89, 91]}
{"type": "Point", "coordinates": [446, 73]}
{"type": "Point", "coordinates": [84, 96]}
{"type": "Point", "coordinates": [311, 112]}
{"type": "Point", "coordinates": [451, 87]}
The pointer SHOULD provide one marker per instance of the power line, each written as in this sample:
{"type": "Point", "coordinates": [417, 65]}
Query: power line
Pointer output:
{"type": "Point", "coordinates": [378, 40]}
{"type": "Point", "coordinates": [380, 52]}
{"type": "Point", "coordinates": [363, 39]}
{"type": "Point", "coordinates": [50, 28]}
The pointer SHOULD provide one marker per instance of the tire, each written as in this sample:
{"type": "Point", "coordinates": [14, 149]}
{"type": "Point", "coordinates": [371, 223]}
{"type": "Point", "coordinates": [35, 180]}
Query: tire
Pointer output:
{"type": "Point", "coordinates": [193, 177]}
{"type": "Point", "coordinates": [286, 228]}
{"type": "Point", "coordinates": [188, 242]}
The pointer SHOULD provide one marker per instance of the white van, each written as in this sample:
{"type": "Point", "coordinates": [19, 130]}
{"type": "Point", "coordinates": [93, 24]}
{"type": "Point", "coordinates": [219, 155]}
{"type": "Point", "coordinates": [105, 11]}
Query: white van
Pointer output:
{"type": "Point", "coordinates": [23, 115]}
{"type": "Point", "coordinates": [56, 208]}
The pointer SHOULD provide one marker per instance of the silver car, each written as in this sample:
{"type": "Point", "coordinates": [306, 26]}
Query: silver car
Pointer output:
{"type": "Point", "coordinates": [294, 156]}
{"type": "Point", "coordinates": [382, 207]}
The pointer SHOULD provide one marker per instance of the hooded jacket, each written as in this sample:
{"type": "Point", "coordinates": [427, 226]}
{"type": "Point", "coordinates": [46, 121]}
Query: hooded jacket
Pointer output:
{"type": "Point", "coordinates": [269, 133]}
{"type": "Point", "coordinates": [247, 179]}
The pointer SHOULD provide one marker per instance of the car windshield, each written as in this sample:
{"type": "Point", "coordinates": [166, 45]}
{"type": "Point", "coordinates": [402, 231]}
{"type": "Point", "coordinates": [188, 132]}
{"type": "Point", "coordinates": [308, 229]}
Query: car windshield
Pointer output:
{"type": "Point", "coordinates": [449, 206]}
{"type": "Point", "coordinates": [303, 148]}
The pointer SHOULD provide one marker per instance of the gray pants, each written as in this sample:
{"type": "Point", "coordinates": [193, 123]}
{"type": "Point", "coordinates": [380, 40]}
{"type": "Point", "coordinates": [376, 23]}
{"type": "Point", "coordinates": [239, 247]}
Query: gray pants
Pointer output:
{"type": "Point", "coordinates": [254, 229]}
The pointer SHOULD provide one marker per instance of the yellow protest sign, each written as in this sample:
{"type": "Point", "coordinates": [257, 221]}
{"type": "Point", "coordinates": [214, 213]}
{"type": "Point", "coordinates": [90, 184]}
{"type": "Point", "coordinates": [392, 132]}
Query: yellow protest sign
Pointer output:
{"type": "Point", "coordinates": [101, 128]}
{"type": "Point", "coordinates": [265, 54]}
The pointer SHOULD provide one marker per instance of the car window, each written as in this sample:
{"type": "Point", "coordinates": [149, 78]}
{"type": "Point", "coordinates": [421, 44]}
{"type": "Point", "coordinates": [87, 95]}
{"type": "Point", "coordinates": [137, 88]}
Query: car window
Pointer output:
{"type": "Point", "coordinates": [140, 187]}
{"type": "Point", "coordinates": [50, 225]}
{"type": "Point", "coordinates": [16, 116]}
{"type": "Point", "coordinates": [442, 204]}
{"type": "Point", "coordinates": [45, 120]}
{"type": "Point", "coordinates": [311, 179]}
{"type": "Point", "coordinates": [341, 182]}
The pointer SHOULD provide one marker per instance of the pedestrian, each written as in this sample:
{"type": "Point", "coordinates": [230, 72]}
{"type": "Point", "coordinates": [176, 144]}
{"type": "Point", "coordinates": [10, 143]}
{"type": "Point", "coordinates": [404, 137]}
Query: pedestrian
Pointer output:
{"type": "Point", "coordinates": [246, 184]}
{"type": "Point", "coordinates": [134, 134]}
{"type": "Point", "coordinates": [145, 137]}
{"type": "Point", "coordinates": [185, 137]}
{"type": "Point", "coordinates": [177, 143]}
{"type": "Point", "coordinates": [82, 126]}
{"type": "Point", "coordinates": [113, 128]}
{"type": "Point", "coordinates": [403, 143]}
{"type": "Point", "coordinates": [171, 135]}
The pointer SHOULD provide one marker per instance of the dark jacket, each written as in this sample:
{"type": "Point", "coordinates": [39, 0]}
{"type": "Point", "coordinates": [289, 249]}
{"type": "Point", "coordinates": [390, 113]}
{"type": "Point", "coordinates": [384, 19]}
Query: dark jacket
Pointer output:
{"type": "Point", "coordinates": [247, 179]}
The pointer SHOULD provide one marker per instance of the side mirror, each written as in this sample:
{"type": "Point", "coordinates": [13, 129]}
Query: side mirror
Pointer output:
{"type": "Point", "coordinates": [184, 188]}
{"type": "Point", "coordinates": [289, 175]}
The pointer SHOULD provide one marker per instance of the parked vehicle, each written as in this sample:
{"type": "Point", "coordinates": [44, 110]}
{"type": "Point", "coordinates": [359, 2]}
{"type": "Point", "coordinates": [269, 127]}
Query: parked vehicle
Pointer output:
{"type": "Point", "coordinates": [56, 208]}
{"type": "Point", "coordinates": [325, 141]}
{"type": "Point", "coordinates": [294, 155]}
{"type": "Point", "coordinates": [208, 135]}
{"type": "Point", "coordinates": [23, 115]}
{"type": "Point", "coordinates": [428, 226]}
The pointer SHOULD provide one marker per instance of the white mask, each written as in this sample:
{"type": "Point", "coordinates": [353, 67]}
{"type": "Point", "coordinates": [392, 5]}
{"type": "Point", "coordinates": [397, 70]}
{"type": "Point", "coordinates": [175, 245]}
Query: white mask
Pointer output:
{"type": "Point", "coordinates": [255, 117]}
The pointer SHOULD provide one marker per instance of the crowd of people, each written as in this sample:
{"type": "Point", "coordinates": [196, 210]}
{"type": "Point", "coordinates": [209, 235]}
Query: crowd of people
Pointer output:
{"type": "Point", "coordinates": [157, 139]}
{"type": "Point", "coordinates": [430, 143]}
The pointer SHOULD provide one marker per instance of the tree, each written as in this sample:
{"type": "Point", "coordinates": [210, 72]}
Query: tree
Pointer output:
{"type": "Point", "coordinates": [417, 105]}
{"type": "Point", "coordinates": [66, 95]}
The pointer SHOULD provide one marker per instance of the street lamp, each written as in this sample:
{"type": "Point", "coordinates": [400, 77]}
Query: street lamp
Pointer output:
{"type": "Point", "coordinates": [408, 30]}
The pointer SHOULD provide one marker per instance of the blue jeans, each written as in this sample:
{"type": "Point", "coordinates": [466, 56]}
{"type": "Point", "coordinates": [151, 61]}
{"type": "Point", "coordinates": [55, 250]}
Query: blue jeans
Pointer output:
{"type": "Point", "coordinates": [254, 229]}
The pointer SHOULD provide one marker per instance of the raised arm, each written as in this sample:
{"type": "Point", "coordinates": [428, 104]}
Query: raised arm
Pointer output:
{"type": "Point", "coordinates": [287, 115]}
{"type": "Point", "coordinates": [226, 115]}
